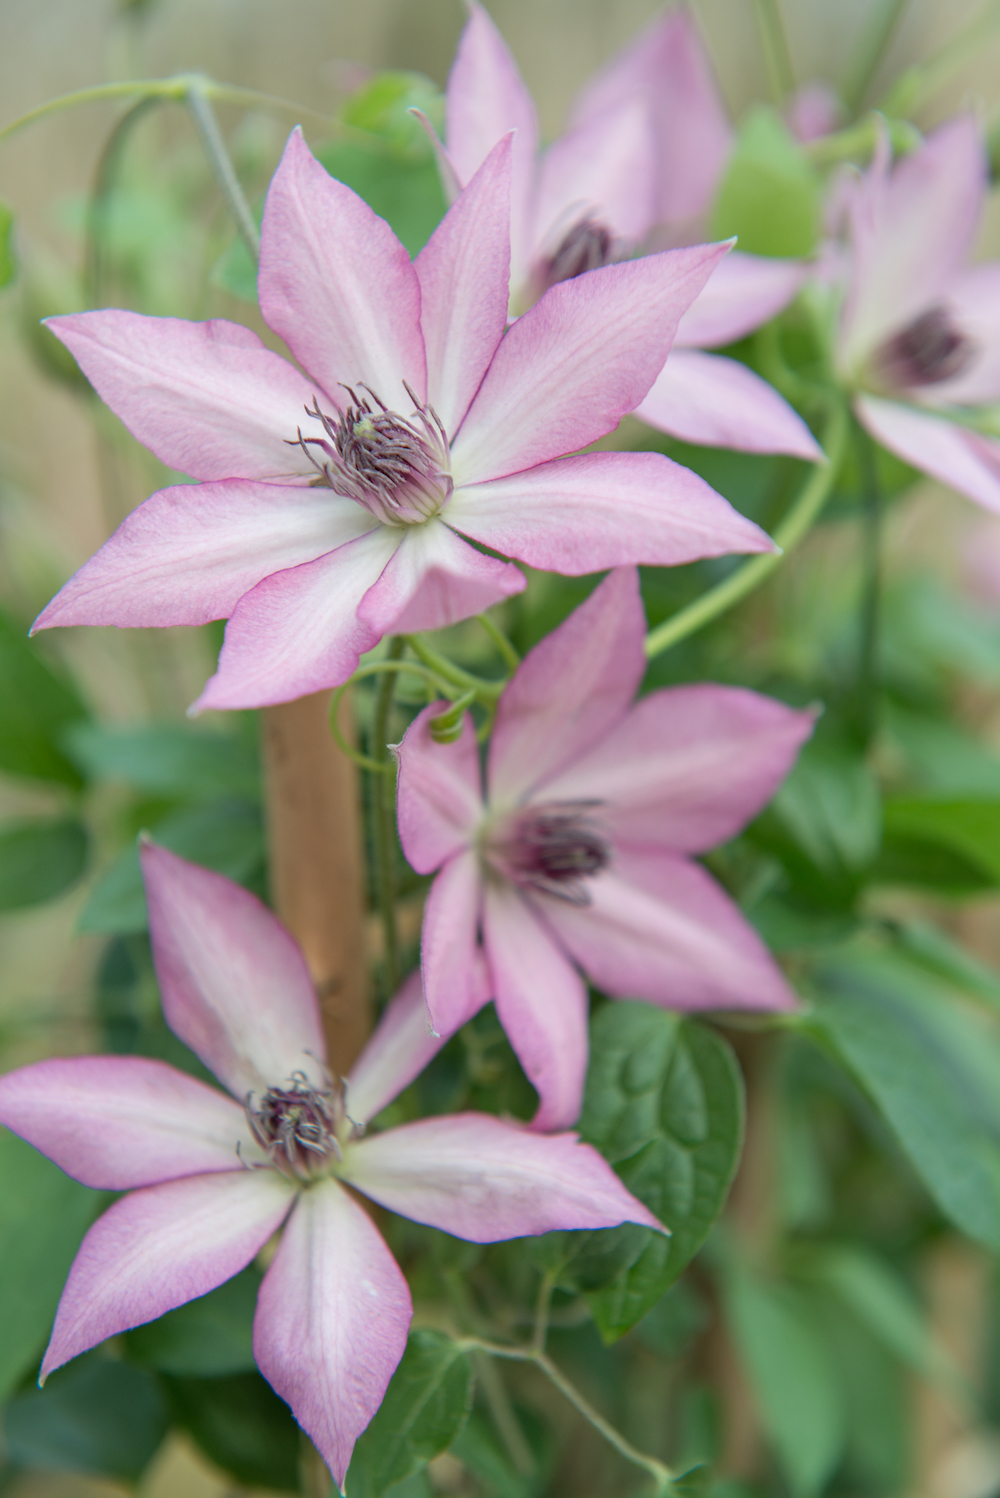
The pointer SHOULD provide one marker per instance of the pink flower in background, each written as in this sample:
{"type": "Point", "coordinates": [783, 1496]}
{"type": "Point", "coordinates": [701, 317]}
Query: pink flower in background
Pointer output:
{"type": "Point", "coordinates": [578, 854]}
{"type": "Point", "coordinates": [333, 505]}
{"type": "Point", "coordinates": [212, 1177]}
{"type": "Point", "coordinates": [638, 167]}
{"type": "Point", "coordinates": [919, 338]}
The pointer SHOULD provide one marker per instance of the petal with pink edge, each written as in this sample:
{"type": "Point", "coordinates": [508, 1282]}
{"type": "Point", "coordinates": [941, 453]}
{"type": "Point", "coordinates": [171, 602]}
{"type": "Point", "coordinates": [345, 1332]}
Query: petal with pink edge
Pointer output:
{"type": "Point", "coordinates": [440, 793]}
{"type": "Point", "coordinates": [570, 690]}
{"type": "Point", "coordinates": [298, 631]}
{"type": "Point", "coordinates": [580, 514]}
{"type": "Point", "coordinates": [605, 169]}
{"type": "Point", "coordinates": [464, 275]}
{"type": "Point", "coordinates": [337, 285]}
{"type": "Point", "coordinates": [688, 767]}
{"type": "Point", "coordinates": [659, 928]}
{"type": "Point", "coordinates": [398, 1051]}
{"type": "Point", "coordinates": [161, 1247]}
{"type": "Point", "coordinates": [719, 402]}
{"type": "Point", "coordinates": [189, 554]}
{"type": "Point", "coordinates": [332, 1318]}
{"type": "Point", "coordinates": [456, 982]}
{"type": "Point", "coordinates": [961, 459]}
{"type": "Point", "coordinates": [742, 292]}
{"type": "Point", "coordinates": [234, 985]}
{"type": "Point", "coordinates": [577, 362]}
{"type": "Point", "coordinates": [485, 1179]}
{"type": "Point", "coordinates": [116, 1122]}
{"type": "Point", "coordinates": [435, 579]}
{"type": "Point", "coordinates": [206, 397]}
{"type": "Point", "coordinates": [541, 1002]}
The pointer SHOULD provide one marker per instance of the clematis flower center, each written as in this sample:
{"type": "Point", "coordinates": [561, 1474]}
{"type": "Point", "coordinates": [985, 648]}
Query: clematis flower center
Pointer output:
{"type": "Point", "coordinates": [929, 350]}
{"type": "Point", "coordinates": [553, 848]}
{"type": "Point", "coordinates": [297, 1126]}
{"type": "Point", "coordinates": [588, 245]}
{"type": "Point", "coordinates": [395, 466]}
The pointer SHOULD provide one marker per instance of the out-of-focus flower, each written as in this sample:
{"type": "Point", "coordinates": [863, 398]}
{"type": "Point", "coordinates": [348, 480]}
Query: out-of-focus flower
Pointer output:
{"type": "Point", "coordinates": [211, 1177]}
{"type": "Point", "coordinates": [919, 337]}
{"type": "Point", "coordinates": [333, 505]}
{"type": "Point", "coordinates": [578, 855]}
{"type": "Point", "coordinates": [638, 168]}
{"type": "Point", "coordinates": [813, 111]}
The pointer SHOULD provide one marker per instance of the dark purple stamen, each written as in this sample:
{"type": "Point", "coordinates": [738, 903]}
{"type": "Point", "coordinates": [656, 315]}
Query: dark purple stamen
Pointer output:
{"type": "Point", "coordinates": [587, 246]}
{"type": "Point", "coordinates": [554, 849]}
{"type": "Point", "coordinates": [296, 1126]}
{"type": "Point", "coordinates": [930, 350]}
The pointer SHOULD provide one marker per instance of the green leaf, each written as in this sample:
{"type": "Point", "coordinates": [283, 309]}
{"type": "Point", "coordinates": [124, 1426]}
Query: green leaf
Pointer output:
{"type": "Point", "coordinates": [224, 835]}
{"type": "Point", "coordinates": [479, 1448]}
{"type": "Point", "coordinates": [235, 271]}
{"type": "Point", "coordinates": [43, 1217]}
{"type": "Point", "coordinates": [170, 761]}
{"type": "Point", "coordinates": [664, 1103]}
{"type": "Point", "coordinates": [39, 860]}
{"type": "Point", "coordinates": [241, 1425]}
{"type": "Point", "coordinates": [206, 1337]}
{"type": "Point", "coordinates": [969, 828]}
{"type": "Point", "coordinates": [938, 954]}
{"type": "Point", "coordinates": [381, 107]}
{"type": "Point", "coordinates": [37, 707]}
{"type": "Point", "coordinates": [8, 260]}
{"type": "Point", "coordinates": [97, 1415]}
{"type": "Point", "coordinates": [425, 1407]}
{"type": "Point", "coordinates": [403, 190]}
{"type": "Point", "coordinates": [770, 196]}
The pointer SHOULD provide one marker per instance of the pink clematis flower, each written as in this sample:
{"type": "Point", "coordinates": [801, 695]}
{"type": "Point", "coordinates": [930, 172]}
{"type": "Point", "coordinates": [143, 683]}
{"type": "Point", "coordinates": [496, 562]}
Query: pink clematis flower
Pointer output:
{"type": "Point", "coordinates": [212, 1177]}
{"type": "Point", "coordinates": [919, 336]}
{"type": "Point", "coordinates": [336, 506]}
{"type": "Point", "coordinates": [577, 855]}
{"type": "Point", "coordinates": [638, 167]}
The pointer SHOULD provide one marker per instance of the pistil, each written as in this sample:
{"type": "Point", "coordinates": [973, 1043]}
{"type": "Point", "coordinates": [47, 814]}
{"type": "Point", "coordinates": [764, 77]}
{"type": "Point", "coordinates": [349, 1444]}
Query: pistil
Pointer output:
{"type": "Point", "coordinates": [297, 1126]}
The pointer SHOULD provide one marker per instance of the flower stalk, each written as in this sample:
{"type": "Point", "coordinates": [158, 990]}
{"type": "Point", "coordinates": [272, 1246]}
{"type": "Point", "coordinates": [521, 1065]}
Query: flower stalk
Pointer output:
{"type": "Point", "coordinates": [383, 816]}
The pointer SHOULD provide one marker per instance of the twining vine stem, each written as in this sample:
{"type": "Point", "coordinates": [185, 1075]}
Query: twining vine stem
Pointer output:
{"type": "Point", "coordinates": [383, 816]}
{"type": "Point", "coordinates": [198, 102]}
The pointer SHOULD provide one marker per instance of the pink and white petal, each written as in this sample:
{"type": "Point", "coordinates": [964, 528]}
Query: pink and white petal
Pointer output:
{"type": "Point", "coordinates": [439, 797]}
{"type": "Point", "coordinates": [206, 397]}
{"type": "Point", "coordinates": [688, 767]}
{"type": "Point", "coordinates": [464, 275]}
{"type": "Point", "coordinates": [456, 982]}
{"type": "Point", "coordinates": [233, 983]}
{"type": "Point", "coordinates": [570, 691]}
{"type": "Point", "coordinates": [610, 509]}
{"type": "Point", "coordinates": [541, 1002]}
{"type": "Point", "coordinates": [486, 98]}
{"type": "Point", "coordinates": [605, 168]}
{"type": "Point", "coordinates": [398, 1051]}
{"type": "Point", "coordinates": [962, 459]}
{"type": "Point", "coordinates": [298, 631]}
{"type": "Point", "coordinates": [332, 1318]}
{"type": "Point", "coordinates": [659, 928]}
{"type": "Point", "coordinates": [668, 67]}
{"type": "Point", "coordinates": [719, 402]}
{"type": "Point", "coordinates": [337, 285]}
{"type": "Point", "coordinates": [912, 229]}
{"type": "Point", "coordinates": [188, 554]}
{"type": "Point", "coordinates": [116, 1122]}
{"type": "Point", "coordinates": [974, 303]}
{"type": "Point", "coordinates": [577, 362]}
{"type": "Point", "coordinates": [158, 1248]}
{"type": "Point", "coordinates": [485, 1179]}
{"type": "Point", "coordinates": [742, 292]}
{"type": "Point", "coordinates": [434, 579]}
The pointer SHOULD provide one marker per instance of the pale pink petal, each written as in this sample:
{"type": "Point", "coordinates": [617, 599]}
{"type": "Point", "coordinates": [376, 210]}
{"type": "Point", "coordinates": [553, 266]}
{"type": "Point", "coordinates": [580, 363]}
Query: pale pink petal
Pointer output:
{"type": "Point", "coordinates": [464, 275]}
{"type": "Point", "coordinates": [398, 1051]}
{"type": "Point", "coordinates": [719, 402]}
{"type": "Point", "coordinates": [456, 981]}
{"type": "Point", "coordinates": [742, 292]}
{"type": "Point", "coordinates": [659, 928]}
{"type": "Point", "coordinates": [439, 796]}
{"type": "Point", "coordinates": [332, 1318]}
{"type": "Point", "coordinates": [206, 397]}
{"type": "Point", "coordinates": [605, 169]}
{"type": "Point", "coordinates": [962, 459]}
{"type": "Point", "coordinates": [485, 1179]}
{"type": "Point", "coordinates": [435, 579]}
{"type": "Point", "coordinates": [667, 66]}
{"type": "Point", "coordinates": [234, 985]}
{"type": "Point", "coordinates": [541, 1002]}
{"type": "Point", "coordinates": [577, 362]}
{"type": "Point", "coordinates": [610, 509]}
{"type": "Point", "coordinates": [188, 554]}
{"type": "Point", "coordinates": [688, 767]}
{"type": "Point", "coordinates": [974, 303]}
{"type": "Point", "coordinates": [487, 97]}
{"type": "Point", "coordinates": [570, 690]}
{"type": "Point", "coordinates": [298, 631]}
{"type": "Point", "coordinates": [161, 1247]}
{"type": "Point", "coordinates": [912, 229]}
{"type": "Point", "coordinates": [338, 286]}
{"type": "Point", "coordinates": [115, 1122]}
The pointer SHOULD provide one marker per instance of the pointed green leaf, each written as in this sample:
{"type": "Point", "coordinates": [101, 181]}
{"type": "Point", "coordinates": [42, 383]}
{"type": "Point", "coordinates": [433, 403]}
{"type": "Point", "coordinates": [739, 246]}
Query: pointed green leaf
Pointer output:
{"type": "Point", "coordinates": [770, 196]}
{"type": "Point", "coordinates": [38, 706]}
{"type": "Point", "coordinates": [40, 859]}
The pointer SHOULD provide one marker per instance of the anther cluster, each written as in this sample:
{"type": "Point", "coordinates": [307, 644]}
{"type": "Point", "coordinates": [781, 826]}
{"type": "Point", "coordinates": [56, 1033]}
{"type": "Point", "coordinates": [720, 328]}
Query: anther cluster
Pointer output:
{"type": "Point", "coordinates": [296, 1126]}
{"type": "Point", "coordinates": [587, 246]}
{"type": "Point", "coordinates": [931, 349]}
{"type": "Point", "coordinates": [554, 849]}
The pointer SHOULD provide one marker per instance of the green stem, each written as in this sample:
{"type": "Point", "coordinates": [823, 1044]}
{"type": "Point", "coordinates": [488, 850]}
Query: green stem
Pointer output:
{"type": "Point", "coordinates": [858, 142]}
{"type": "Point", "coordinates": [455, 674]}
{"type": "Point", "coordinates": [504, 1415]}
{"type": "Point", "coordinates": [383, 807]}
{"type": "Point", "coordinates": [875, 39]}
{"type": "Point", "coordinates": [511, 658]}
{"type": "Point", "coordinates": [796, 524]}
{"type": "Point", "coordinates": [222, 167]}
{"type": "Point", "coordinates": [914, 87]}
{"type": "Point", "coordinates": [378, 668]}
{"type": "Point", "coordinates": [542, 1307]}
{"type": "Point", "coordinates": [781, 74]}
{"type": "Point", "coordinates": [104, 181]}
{"type": "Point", "coordinates": [867, 690]}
